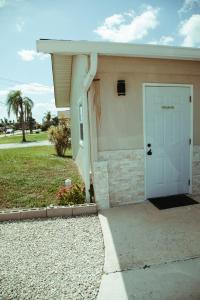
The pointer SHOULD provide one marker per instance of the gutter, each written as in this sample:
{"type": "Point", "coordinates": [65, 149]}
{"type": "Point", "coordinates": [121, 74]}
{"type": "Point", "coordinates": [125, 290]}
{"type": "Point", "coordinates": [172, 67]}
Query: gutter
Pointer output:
{"type": "Point", "coordinates": [118, 49]}
{"type": "Point", "coordinates": [86, 85]}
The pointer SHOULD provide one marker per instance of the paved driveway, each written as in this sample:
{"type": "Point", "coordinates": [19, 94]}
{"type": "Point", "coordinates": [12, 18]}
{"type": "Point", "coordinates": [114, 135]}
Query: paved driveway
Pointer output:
{"type": "Point", "coordinates": [24, 145]}
{"type": "Point", "coordinates": [151, 254]}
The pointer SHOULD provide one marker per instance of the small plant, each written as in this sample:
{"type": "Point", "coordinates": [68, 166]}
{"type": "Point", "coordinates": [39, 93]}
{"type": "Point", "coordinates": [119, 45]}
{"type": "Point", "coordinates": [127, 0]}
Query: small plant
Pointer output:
{"type": "Point", "coordinates": [74, 194]}
{"type": "Point", "coordinates": [60, 137]}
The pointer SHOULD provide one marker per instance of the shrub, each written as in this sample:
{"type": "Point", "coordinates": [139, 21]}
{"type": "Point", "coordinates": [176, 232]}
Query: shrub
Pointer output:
{"type": "Point", "coordinates": [60, 137]}
{"type": "Point", "coordinates": [74, 194]}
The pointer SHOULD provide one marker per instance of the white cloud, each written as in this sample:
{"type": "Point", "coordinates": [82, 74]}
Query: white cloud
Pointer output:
{"type": "Point", "coordinates": [40, 108]}
{"type": "Point", "coordinates": [32, 88]}
{"type": "Point", "coordinates": [2, 3]}
{"type": "Point", "coordinates": [3, 110]}
{"type": "Point", "coordinates": [190, 30]}
{"type": "Point", "coordinates": [164, 40]}
{"type": "Point", "coordinates": [128, 27]}
{"type": "Point", "coordinates": [113, 20]}
{"type": "Point", "coordinates": [188, 5]}
{"type": "Point", "coordinates": [153, 43]}
{"type": "Point", "coordinates": [10, 2]}
{"type": "Point", "coordinates": [29, 55]}
{"type": "Point", "coordinates": [20, 25]}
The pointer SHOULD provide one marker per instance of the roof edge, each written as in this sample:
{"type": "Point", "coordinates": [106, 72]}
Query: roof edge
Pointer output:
{"type": "Point", "coordinates": [117, 49]}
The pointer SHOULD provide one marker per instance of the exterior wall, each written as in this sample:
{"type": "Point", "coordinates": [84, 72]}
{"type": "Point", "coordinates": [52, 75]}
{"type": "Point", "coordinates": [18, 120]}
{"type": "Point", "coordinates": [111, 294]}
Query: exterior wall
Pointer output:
{"type": "Point", "coordinates": [122, 117]}
{"type": "Point", "coordinates": [196, 171]}
{"type": "Point", "coordinates": [79, 71]}
{"type": "Point", "coordinates": [120, 141]}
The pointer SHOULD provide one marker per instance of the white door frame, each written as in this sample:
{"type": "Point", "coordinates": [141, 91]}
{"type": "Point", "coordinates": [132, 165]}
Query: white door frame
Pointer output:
{"type": "Point", "coordinates": [144, 129]}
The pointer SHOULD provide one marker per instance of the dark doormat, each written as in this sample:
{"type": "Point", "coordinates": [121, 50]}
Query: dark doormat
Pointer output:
{"type": "Point", "coordinates": [172, 201]}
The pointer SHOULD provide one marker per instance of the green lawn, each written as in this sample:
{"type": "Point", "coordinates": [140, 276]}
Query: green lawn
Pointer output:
{"type": "Point", "coordinates": [31, 177]}
{"type": "Point", "coordinates": [35, 137]}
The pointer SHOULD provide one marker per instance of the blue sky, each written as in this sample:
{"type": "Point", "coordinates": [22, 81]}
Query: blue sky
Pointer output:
{"type": "Point", "coordinates": [22, 22]}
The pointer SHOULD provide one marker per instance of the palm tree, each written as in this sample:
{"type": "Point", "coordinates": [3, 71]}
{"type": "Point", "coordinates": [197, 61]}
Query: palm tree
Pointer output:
{"type": "Point", "coordinates": [15, 103]}
{"type": "Point", "coordinates": [47, 117]}
{"type": "Point", "coordinates": [28, 105]}
{"type": "Point", "coordinates": [47, 120]}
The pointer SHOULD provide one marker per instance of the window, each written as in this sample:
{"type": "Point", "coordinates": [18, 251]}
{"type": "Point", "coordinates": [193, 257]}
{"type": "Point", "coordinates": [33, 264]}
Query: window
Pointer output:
{"type": "Point", "coordinates": [81, 121]}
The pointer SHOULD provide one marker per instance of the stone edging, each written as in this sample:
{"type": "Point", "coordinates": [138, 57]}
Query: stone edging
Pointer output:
{"type": "Point", "coordinates": [48, 212]}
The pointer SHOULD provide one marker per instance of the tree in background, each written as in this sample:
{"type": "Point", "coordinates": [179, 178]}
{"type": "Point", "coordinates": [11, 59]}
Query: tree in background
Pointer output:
{"type": "Point", "coordinates": [4, 124]}
{"type": "Point", "coordinates": [47, 117]}
{"type": "Point", "coordinates": [18, 106]}
{"type": "Point", "coordinates": [46, 121]}
{"type": "Point", "coordinates": [28, 106]}
{"type": "Point", "coordinates": [55, 121]}
{"type": "Point", "coordinates": [49, 121]}
{"type": "Point", "coordinates": [31, 123]}
{"type": "Point", "coordinates": [7, 124]}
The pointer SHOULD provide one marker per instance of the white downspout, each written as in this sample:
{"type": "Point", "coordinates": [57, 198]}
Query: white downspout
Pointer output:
{"type": "Point", "coordinates": [86, 84]}
{"type": "Point", "coordinates": [92, 71]}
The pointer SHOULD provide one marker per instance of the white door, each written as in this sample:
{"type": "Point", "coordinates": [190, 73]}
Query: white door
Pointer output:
{"type": "Point", "coordinates": [168, 133]}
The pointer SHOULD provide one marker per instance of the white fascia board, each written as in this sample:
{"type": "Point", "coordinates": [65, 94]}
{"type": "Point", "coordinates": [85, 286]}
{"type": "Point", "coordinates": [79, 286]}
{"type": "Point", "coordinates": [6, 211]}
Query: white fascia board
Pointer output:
{"type": "Point", "coordinates": [117, 49]}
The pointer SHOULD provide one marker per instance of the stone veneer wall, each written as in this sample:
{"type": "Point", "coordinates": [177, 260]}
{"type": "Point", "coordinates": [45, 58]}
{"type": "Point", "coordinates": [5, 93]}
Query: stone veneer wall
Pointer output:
{"type": "Point", "coordinates": [119, 177]}
{"type": "Point", "coordinates": [196, 170]}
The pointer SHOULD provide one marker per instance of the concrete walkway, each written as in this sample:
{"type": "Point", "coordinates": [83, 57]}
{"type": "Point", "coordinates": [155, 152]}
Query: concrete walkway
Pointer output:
{"type": "Point", "coordinates": [24, 145]}
{"type": "Point", "coordinates": [151, 254]}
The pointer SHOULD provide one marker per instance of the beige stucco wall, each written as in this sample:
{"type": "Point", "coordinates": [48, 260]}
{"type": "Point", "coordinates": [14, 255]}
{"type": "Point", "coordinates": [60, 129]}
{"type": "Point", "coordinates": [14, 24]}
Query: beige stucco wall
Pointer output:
{"type": "Point", "coordinates": [122, 117]}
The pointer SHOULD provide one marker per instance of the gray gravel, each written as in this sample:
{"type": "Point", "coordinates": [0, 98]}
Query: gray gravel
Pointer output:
{"type": "Point", "coordinates": [51, 259]}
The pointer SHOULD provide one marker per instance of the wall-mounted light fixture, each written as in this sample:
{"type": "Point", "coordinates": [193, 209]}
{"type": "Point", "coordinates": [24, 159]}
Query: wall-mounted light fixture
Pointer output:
{"type": "Point", "coordinates": [121, 88]}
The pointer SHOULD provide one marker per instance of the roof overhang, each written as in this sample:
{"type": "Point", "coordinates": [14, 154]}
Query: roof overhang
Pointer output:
{"type": "Point", "coordinates": [117, 49]}
{"type": "Point", "coordinates": [62, 69]}
{"type": "Point", "coordinates": [62, 55]}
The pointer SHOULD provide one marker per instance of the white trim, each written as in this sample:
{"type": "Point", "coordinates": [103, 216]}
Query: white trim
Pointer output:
{"type": "Point", "coordinates": [117, 49]}
{"type": "Point", "coordinates": [86, 126]}
{"type": "Point", "coordinates": [145, 142]}
{"type": "Point", "coordinates": [144, 128]}
{"type": "Point", "coordinates": [191, 135]}
{"type": "Point", "coordinates": [168, 84]}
